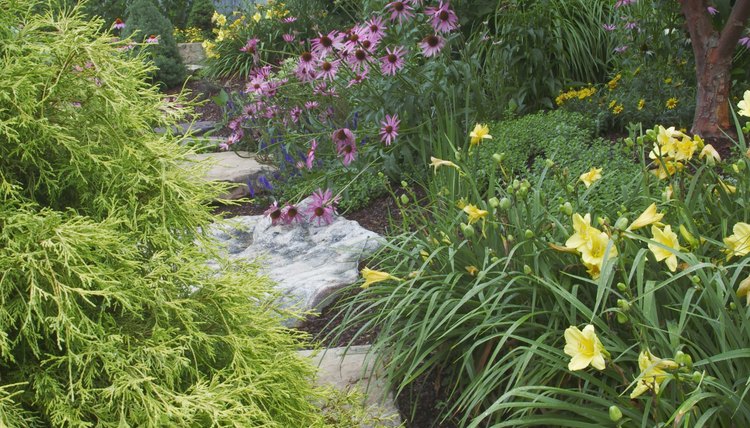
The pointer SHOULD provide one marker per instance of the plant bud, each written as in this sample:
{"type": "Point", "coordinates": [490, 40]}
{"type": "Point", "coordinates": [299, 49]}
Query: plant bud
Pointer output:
{"type": "Point", "coordinates": [623, 304]}
{"type": "Point", "coordinates": [523, 191]}
{"type": "Point", "coordinates": [494, 202]}
{"type": "Point", "coordinates": [570, 188]}
{"type": "Point", "coordinates": [697, 377]}
{"type": "Point", "coordinates": [615, 414]}
{"type": "Point", "coordinates": [498, 157]}
{"type": "Point", "coordinates": [505, 204]}
{"type": "Point", "coordinates": [511, 238]}
{"type": "Point", "coordinates": [527, 269]}
{"type": "Point", "coordinates": [404, 199]}
{"type": "Point", "coordinates": [683, 359]}
{"type": "Point", "coordinates": [629, 142]}
{"type": "Point", "coordinates": [457, 155]}
{"type": "Point", "coordinates": [740, 166]}
{"type": "Point", "coordinates": [621, 223]}
{"type": "Point", "coordinates": [516, 184]}
{"type": "Point", "coordinates": [695, 279]}
{"type": "Point", "coordinates": [732, 306]}
{"type": "Point", "coordinates": [549, 163]}
{"type": "Point", "coordinates": [688, 237]}
{"type": "Point", "coordinates": [404, 183]}
{"type": "Point", "coordinates": [567, 208]}
{"type": "Point", "coordinates": [529, 234]}
{"type": "Point", "coordinates": [467, 230]}
{"type": "Point", "coordinates": [494, 259]}
{"type": "Point", "coordinates": [622, 287]}
{"type": "Point", "coordinates": [622, 318]}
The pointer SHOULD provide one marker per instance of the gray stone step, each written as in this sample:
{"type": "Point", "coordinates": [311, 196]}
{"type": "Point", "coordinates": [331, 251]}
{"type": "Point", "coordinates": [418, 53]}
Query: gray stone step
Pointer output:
{"type": "Point", "coordinates": [196, 128]}
{"type": "Point", "coordinates": [240, 168]}
{"type": "Point", "coordinates": [345, 369]}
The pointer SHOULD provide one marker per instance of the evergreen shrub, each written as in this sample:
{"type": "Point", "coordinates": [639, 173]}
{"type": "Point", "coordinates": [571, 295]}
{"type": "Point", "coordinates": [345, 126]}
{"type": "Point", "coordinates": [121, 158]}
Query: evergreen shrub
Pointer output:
{"type": "Point", "coordinates": [109, 312]}
{"type": "Point", "coordinates": [145, 20]}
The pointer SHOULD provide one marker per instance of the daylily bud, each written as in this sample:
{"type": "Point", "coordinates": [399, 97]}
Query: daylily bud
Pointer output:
{"type": "Point", "coordinates": [688, 237]}
{"type": "Point", "coordinates": [732, 306]}
{"type": "Point", "coordinates": [570, 188]}
{"type": "Point", "coordinates": [467, 230]}
{"type": "Point", "coordinates": [622, 318]}
{"type": "Point", "coordinates": [516, 184]}
{"type": "Point", "coordinates": [457, 155]}
{"type": "Point", "coordinates": [523, 191]}
{"type": "Point", "coordinates": [549, 163]}
{"type": "Point", "coordinates": [566, 208]}
{"type": "Point", "coordinates": [740, 166]}
{"type": "Point", "coordinates": [615, 414]}
{"type": "Point", "coordinates": [404, 184]}
{"type": "Point", "coordinates": [683, 359]}
{"type": "Point", "coordinates": [505, 204]}
{"type": "Point", "coordinates": [695, 279]}
{"type": "Point", "coordinates": [527, 269]}
{"type": "Point", "coordinates": [623, 304]}
{"type": "Point", "coordinates": [697, 377]}
{"type": "Point", "coordinates": [498, 157]}
{"type": "Point", "coordinates": [494, 202]}
{"type": "Point", "coordinates": [621, 223]}
{"type": "Point", "coordinates": [529, 233]}
{"type": "Point", "coordinates": [511, 238]}
{"type": "Point", "coordinates": [622, 287]}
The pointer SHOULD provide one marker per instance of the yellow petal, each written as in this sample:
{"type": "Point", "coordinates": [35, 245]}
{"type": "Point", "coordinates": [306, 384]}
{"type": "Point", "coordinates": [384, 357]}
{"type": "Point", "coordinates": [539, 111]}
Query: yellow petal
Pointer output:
{"type": "Point", "coordinates": [649, 216]}
{"type": "Point", "coordinates": [373, 276]}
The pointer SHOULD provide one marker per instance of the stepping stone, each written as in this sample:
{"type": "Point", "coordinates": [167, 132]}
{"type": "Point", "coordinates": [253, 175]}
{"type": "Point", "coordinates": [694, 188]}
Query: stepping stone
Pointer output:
{"type": "Point", "coordinates": [241, 168]}
{"type": "Point", "coordinates": [345, 369]}
{"type": "Point", "coordinates": [191, 53]}
{"type": "Point", "coordinates": [307, 262]}
{"type": "Point", "coordinates": [196, 128]}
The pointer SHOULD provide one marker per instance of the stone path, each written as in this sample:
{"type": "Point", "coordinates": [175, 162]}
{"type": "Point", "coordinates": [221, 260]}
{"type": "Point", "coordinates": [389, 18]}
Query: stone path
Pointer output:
{"type": "Point", "coordinates": [242, 169]}
{"type": "Point", "coordinates": [345, 369]}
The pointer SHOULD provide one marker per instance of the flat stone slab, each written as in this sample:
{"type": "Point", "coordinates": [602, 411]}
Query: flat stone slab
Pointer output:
{"type": "Point", "coordinates": [307, 262]}
{"type": "Point", "coordinates": [241, 168]}
{"type": "Point", "coordinates": [191, 53]}
{"type": "Point", "coordinates": [196, 128]}
{"type": "Point", "coordinates": [345, 369]}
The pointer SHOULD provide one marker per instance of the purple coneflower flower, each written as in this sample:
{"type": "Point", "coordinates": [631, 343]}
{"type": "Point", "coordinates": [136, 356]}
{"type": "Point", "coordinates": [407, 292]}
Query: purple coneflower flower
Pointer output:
{"type": "Point", "coordinates": [289, 19]}
{"type": "Point", "coordinates": [431, 45]}
{"type": "Point", "coordinates": [712, 10]}
{"type": "Point", "coordinates": [274, 213]}
{"type": "Point", "coordinates": [310, 158]}
{"type": "Point", "coordinates": [328, 69]}
{"type": "Point", "coordinates": [630, 25]}
{"type": "Point", "coordinates": [289, 38]}
{"type": "Point", "coordinates": [621, 3]}
{"type": "Point", "coordinates": [442, 18]}
{"type": "Point", "coordinates": [358, 78]}
{"type": "Point", "coordinates": [119, 24]}
{"type": "Point", "coordinates": [257, 85]}
{"type": "Point", "coordinates": [400, 10]}
{"type": "Point", "coordinates": [375, 29]}
{"type": "Point", "coordinates": [323, 207]}
{"type": "Point", "coordinates": [325, 44]}
{"type": "Point", "coordinates": [309, 105]}
{"type": "Point", "coordinates": [393, 61]}
{"type": "Point", "coordinates": [354, 38]}
{"type": "Point", "coordinates": [609, 27]}
{"type": "Point", "coordinates": [295, 113]}
{"type": "Point", "coordinates": [306, 62]}
{"type": "Point", "coordinates": [621, 49]}
{"type": "Point", "coordinates": [745, 41]}
{"type": "Point", "coordinates": [342, 137]}
{"type": "Point", "coordinates": [290, 214]}
{"type": "Point", "coordinates": [389, 129]}
{"type": "Point", "coordinates": [358, 59]}
{"type": "Point", "coordinates": [348, 152]}
{"type": "Point", "coordinates": [251, 47]}
{"type": "Point", "coordinates": [153, 39]}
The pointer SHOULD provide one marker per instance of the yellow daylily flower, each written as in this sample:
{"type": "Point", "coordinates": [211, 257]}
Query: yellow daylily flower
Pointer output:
{"type": "Point", "coordinates": [472, 270]}
{"type": "Point", "coordinates": [480, 132]}
{"type": "Point", "coordinates": [710, 153]}
{"type": "Point", "coordinates": [594, 251]}
{"type": "Point", "coordinates": [373, 276]}
{"type": "Point", "coordinates": [588, 178]}
{"type": "Point", "coordinates": [474, 213]}
{"type": "Point", "coordinates": [436, 163]}
{"type": "Point", "coordinates": [684, 149]}
{"type": "Point", "coordinates": [738, 244]}
{"type": "Point", "coordinates": [652, 373]}
{"type": "Point", "coordinates": [668, 239]}
{"type": "Point", "coordinates": [667, 168]}
{"type": "Point", "coordinates": [584, 347]}
{"type": "Point", "coordinates": [583, 231]}
{"type": "Point", "coordinates": [257, 17]}
{"type": "Point", "coordinates": [649, 216]}
{"type": "Point", "coordinates": [744, 105]}
{"type": "Point", "coordinates": [744, 290]}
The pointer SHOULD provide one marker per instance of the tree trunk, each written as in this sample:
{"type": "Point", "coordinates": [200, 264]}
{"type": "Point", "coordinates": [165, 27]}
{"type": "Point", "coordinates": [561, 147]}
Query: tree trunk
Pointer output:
{"type": "Point", "coordinates": [712, 118]}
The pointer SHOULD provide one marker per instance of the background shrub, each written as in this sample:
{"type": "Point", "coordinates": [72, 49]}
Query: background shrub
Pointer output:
{"type": "Point", "coordinates": [200, 15]}
{"type": "Point", "coordinates": [144, 20]}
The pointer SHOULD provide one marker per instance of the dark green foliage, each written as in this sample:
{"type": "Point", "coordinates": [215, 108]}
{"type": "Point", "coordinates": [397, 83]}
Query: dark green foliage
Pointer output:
{"type": "Point", "coordinates": [177, 11]}
{"type": "Point", "coordinates": [200, 15]}
{"type": "Point", "coordinates": [145, 20]}
{"type": "Point", "coordinates": [568, 140]}
{"type": "Point", "coordinates": [110, 314]}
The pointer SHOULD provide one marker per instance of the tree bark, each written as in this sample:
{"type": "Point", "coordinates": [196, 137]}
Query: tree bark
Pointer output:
{"type": "Point", "coordinates": [713, 50]}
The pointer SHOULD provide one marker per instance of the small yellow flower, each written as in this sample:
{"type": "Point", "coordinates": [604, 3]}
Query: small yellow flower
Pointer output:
{"type": "Point", "coordinates": [436, 163]}
{"type": "Point", "coordinates": [612, 84]}
{"type": "Point", "coordinates": [684, 149]}
{"type": "Point", "coordinates": [744, 290]}
{"type": "Point", "coordinates": [668, 239]}
{"type": "Point", "coordinates": [648, 216]}
{"type": "Point", "coordinates": [618, 109]}
{"type": "Point", "coordinates": [585, 348]}
{"type": "Point", "coordinates": [727, 187]}
{"type": "Point", "coordinates": [593, 253]}
{"type": "Point", "coordinates": [474, 213]}
{"type": "Point", "coordinates": [373, 276]}
{"type": "Point", "coordinates": [667, 168]}
{"type": "Point", "coordinates": [738, 244]}
{"type": "Point", "coordinates": [668, 80]}
{"type": "Point", "coordinates": [219, 19]}
{"type": "Point", "coordinates": [711, 155]}
{"type": "Point", "coordinates": [641, 104]}
{"type": "Point", "coordinates": [588, 178]}
{"type": "Point", "coordinates": [744, 105]}
{"type": "Point", "coordinates": [652, 373]}
{"type": "Point", "coordinates": [257, 17]}
{"type": "Point", "coordinates": [671, 103]}
{"type": "Point", "coordinates": [472, 270]}
{"type": "Point", "coordinates": [480, 132]}
{"type": "Point", "coordinates": [612, 103]}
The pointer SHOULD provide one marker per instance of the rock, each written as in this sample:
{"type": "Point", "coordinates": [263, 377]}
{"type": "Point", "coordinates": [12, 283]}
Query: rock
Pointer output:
{"type": "Point", "coordinates": [191, 53]}
{"type": "Point", "coordinates": [307, 262]}
{"type": "Point", "coordinates": [196, 128]}
{"type": "Point", "coordinates": [344, 368]}
{"type": "Point", "coordinates": [241, 168]}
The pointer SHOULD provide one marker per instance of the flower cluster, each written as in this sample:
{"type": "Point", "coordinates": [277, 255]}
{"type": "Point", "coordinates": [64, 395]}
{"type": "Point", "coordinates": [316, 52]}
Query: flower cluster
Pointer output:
{"type": "Point", "coordinates": [673, 148]}
{"type": "Point", "coordinates": [320, 211]}
{"type": "Point", "coordinates": [579, 94]}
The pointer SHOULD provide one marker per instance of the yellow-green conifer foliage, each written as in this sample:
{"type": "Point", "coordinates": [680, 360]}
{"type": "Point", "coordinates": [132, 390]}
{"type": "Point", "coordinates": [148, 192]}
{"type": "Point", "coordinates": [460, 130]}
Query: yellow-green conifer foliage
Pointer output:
{"type": "Point", "coordinates": [109, 315]}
